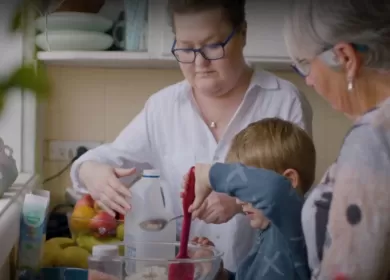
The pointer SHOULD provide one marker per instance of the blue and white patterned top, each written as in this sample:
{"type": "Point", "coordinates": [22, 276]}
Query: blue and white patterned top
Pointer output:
{"type": "Point", "coordinates": [346, 218]}
{"type": "Point", "coordinates": [279, 251]}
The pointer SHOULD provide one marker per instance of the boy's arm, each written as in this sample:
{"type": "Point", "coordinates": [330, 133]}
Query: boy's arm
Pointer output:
{"type": "Point", "coordinates": [266, 190]}
{"type": "Point", "coordinates": [275, 265]}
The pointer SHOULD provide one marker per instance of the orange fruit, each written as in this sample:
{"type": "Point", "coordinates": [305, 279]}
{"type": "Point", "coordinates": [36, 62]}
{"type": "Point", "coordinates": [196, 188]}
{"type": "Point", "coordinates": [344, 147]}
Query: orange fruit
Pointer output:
{"type": "Point", "coordinates": [81, 217]}
{"type": "Point", "coordinates": [96, 207]}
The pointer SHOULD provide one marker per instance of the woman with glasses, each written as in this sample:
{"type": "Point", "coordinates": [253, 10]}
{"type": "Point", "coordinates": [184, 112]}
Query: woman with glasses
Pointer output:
{"type": "Point", "coordinates": [195, 121]}
{"type": "Point", "coordinates": [342, 48]}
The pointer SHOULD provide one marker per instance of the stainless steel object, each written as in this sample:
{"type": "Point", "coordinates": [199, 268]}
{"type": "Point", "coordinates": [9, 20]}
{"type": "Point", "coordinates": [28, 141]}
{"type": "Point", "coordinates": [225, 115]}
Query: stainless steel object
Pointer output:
{"type": "Point", "coordinates": [157, 224]}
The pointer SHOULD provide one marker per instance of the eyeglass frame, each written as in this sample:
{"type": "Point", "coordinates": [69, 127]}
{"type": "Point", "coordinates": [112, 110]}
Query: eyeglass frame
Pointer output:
{"type": "Point", "coordinates": [200, 50]}
{"type": "Point", "coordinates": [299, 71]}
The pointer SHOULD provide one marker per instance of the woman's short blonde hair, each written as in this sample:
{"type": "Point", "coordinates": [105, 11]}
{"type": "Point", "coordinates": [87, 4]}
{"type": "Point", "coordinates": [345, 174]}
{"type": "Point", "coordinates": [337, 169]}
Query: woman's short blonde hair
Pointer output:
{"type": "Point", "coordinates": [278, 145]}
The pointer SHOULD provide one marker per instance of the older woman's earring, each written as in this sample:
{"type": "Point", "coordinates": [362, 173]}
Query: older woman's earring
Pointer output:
{"type": "Point", "coordinates": [350, 84]}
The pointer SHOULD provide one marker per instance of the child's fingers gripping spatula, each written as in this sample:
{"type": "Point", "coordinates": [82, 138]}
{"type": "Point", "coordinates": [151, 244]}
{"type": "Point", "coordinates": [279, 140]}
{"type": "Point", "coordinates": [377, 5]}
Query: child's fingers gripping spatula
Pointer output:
{"type": "Point", "coordinates": [185, 271]}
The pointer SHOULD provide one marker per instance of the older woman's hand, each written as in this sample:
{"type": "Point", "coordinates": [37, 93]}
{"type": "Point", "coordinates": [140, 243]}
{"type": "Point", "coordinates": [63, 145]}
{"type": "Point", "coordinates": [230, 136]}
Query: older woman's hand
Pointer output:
{"type": "Point", "coordinates": [102, 182]}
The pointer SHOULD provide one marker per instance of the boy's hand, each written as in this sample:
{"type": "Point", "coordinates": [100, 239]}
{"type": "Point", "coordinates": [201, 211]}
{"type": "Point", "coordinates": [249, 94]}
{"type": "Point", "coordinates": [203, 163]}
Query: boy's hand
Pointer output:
{"type": "Point", "coordinates": [202, 185]}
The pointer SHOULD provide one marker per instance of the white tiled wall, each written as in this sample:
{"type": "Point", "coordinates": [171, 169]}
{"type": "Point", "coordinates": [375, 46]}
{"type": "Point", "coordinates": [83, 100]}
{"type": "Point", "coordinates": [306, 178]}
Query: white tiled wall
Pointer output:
{"type": "Point", "coordinates": [96, 104]}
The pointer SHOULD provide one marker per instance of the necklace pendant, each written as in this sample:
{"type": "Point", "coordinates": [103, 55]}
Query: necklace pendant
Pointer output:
{"type": "Point", "coordinates": [213, 125]}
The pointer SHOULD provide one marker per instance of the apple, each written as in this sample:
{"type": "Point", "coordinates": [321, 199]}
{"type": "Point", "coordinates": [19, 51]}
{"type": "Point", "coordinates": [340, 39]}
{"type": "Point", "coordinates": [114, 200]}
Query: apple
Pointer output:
{"type": "Point", "coordinates": [119, 217]}
{"type": "Point", "coordinates": [86, 200]}
{"type": "Point", "coordinates": [103, 224]}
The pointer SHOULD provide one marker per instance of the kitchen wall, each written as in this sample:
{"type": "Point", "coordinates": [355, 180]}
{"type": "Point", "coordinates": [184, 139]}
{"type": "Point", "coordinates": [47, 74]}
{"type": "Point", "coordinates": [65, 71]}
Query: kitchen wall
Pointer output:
{"type": "Point", "coordinates": [96, 104]}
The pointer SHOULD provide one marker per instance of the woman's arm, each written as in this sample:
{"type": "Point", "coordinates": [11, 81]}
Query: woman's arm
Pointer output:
{"type": "Point", "coordinates": [359, 220]}
{"type": "Point", "coordinates": [132, 148]}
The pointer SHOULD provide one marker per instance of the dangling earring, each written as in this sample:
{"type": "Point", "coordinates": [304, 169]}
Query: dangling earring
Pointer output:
{"type": "Point", "coordinates": [350, 84]}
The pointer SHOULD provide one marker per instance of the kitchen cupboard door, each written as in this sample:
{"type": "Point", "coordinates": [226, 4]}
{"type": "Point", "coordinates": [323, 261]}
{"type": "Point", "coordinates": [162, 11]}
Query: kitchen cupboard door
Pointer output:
{"type": "Point", "coordinates": [160, 31]}
{"type": "Point", "coordinates": [265, 42]}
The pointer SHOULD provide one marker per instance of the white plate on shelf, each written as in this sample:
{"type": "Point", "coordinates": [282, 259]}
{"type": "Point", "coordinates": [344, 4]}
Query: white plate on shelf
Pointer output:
{"type": "Point", "coordinates": [73, 21]}
{"type": "Point", "coordinates": [70, 40]}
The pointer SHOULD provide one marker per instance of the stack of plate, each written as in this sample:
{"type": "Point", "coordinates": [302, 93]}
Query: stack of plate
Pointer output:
{"type": "Point", "coordinates": [73, 31]}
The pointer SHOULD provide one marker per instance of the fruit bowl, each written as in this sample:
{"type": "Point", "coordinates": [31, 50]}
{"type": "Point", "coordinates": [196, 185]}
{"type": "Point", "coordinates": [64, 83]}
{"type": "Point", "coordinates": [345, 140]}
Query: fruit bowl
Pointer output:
{"type": "Point", "coordinates": [89, 226]}
{"type": "Point", "coordinates": [155, 262]}
{"type": "Point", "coordinates": [100, 226]}
{"type": "Point", "coordinates": [87, 219]}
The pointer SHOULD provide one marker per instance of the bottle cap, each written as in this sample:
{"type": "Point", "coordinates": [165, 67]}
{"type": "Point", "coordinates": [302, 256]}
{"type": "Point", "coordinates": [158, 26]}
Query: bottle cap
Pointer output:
{"type": "Point", "coordinates": [105, 251]}
{"type": "Point", "coordinates": [153, 173]}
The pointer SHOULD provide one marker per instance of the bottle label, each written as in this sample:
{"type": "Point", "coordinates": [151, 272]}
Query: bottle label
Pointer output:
{"type": "Point", "coordinates": [130, 253]}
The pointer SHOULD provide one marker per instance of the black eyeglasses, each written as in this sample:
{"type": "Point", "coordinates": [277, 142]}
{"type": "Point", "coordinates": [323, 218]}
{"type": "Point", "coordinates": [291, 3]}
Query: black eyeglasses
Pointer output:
{"type": "Point", "coordinates": [209, 52]}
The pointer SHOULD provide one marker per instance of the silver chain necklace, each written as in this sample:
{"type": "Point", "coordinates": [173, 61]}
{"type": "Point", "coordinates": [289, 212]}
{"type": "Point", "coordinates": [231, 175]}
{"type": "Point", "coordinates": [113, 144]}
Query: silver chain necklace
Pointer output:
{"type": "Point", "coordinates": [213, 125]}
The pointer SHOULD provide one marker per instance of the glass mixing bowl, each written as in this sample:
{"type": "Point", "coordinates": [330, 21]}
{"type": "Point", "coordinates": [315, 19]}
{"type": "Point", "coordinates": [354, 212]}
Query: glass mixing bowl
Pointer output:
{"type": "Point", "coordinates": [153, 261]}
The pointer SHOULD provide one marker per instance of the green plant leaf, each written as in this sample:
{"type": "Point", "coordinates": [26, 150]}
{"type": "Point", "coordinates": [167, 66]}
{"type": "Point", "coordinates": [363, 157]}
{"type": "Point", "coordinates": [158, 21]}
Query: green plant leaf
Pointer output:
{"type": "Point", "coordinates": [29, 77]}
{"type": "Point", "coordinates": [16, 23]}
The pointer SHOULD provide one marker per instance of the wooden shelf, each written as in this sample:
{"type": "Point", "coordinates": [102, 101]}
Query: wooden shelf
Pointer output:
{"type": "Point", "coordinates": [106, 59]}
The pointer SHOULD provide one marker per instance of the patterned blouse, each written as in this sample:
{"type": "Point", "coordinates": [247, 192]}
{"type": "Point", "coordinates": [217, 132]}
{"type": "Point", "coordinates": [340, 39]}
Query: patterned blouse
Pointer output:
{"type": "Point", "coordinates": [346, 218]}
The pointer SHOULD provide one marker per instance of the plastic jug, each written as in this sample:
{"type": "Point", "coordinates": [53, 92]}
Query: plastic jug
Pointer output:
{"type": "Point", "coordinates": [147, 203]}
{"type": "Point", "coordinates": [105, 260]}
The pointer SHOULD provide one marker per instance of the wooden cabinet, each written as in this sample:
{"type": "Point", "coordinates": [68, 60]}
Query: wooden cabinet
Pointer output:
{"type": "Point", "coordinates": [265, 43]}
{"type": "Point", "coordinates": [265, 40]}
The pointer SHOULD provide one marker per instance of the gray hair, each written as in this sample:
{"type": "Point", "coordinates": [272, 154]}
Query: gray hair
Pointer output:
{"type": "Point", "coordinates": [313, 26]}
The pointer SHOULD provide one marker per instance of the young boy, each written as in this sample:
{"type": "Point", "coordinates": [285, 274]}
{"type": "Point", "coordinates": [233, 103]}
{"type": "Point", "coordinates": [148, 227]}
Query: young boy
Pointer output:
{"type": "Point", "coordinates": [271, 165]}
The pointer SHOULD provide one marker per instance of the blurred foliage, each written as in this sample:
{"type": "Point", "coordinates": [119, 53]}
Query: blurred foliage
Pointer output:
{"type": "Point", "coordinates": [30, 76]}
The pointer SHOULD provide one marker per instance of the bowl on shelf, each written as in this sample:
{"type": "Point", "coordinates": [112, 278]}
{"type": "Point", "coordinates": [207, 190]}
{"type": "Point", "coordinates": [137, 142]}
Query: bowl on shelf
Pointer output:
{"type": "Point", "coordinates": [73, 40]}
{"type": "Point", "coordinates": [154, 260]}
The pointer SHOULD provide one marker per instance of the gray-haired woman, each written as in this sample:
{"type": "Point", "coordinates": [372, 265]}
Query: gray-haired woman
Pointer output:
{"type": "Point", "coordinates": [342, 48]}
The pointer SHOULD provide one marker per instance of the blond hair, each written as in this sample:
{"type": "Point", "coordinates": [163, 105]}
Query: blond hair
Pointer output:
{"type": "Point", "coordinates": [277, 145]}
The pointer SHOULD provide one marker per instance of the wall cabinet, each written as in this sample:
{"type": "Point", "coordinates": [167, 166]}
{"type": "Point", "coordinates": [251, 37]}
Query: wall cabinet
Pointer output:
{"type": "Point", "coordinates": [265, 43]}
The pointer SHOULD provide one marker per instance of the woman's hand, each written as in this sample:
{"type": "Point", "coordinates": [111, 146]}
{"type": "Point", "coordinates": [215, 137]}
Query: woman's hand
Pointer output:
{"type": "Point", "coordinates": [218, 208]}
{"type": "Point", "coordinates": [202, 185]}
{"type": "Point", "coordinates": [102, 182]}
{"type": "Point", "coordinates": [210, 207]}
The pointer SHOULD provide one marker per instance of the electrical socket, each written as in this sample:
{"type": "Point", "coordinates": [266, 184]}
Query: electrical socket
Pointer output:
{"type": "Point", "coordinates": [67, 150]}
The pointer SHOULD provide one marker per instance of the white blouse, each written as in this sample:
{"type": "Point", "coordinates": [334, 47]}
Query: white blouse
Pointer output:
{"type": "Point", "coordinates": [170, 135]}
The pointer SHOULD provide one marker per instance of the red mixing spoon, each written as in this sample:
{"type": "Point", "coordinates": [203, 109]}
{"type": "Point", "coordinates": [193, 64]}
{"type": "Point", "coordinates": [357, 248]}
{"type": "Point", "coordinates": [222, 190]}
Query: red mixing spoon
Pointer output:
{"type": "Point", "coordinates": [185, 271]}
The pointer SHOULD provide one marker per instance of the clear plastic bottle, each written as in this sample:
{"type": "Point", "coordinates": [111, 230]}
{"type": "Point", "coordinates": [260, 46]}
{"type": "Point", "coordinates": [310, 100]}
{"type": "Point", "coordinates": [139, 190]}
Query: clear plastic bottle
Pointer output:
{"type": "Point", "coordinates": [105, 259]}
{"type": "Point", "coordinates": [147, 203]}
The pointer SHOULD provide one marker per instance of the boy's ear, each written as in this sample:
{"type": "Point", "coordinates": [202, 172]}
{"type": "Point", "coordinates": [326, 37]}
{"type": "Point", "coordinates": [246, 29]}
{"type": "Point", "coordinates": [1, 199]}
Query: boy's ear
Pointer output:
{"type": "Point", "coordinates": [293, 176]}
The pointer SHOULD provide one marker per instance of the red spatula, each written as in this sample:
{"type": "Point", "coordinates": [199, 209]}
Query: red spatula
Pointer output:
{"type": "Point", "coordinates": [185, 271]}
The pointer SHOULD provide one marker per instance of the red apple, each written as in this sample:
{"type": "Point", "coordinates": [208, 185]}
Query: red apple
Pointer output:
{"type": "Point", "coordinates": [86, 200]}
{"type": "Point", "coordinates": [119, 216]}
{"type": "Point", "coordinates": [103, 224]}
